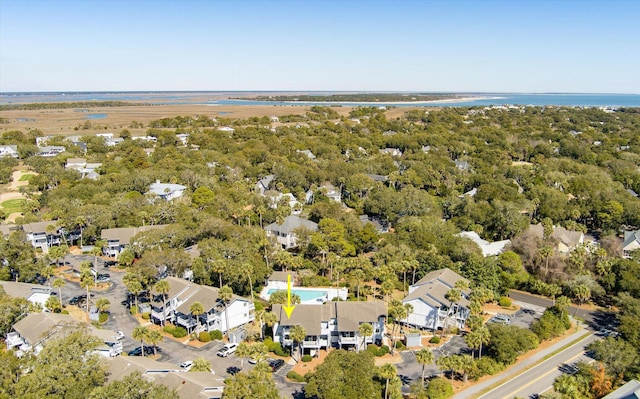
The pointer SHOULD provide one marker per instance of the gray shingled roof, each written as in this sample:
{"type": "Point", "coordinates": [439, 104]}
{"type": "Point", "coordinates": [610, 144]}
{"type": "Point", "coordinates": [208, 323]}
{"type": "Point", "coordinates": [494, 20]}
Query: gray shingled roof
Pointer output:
{"type": "Point", "coordinates": [351, 314]}
{"type": "Point", "coordinates": [446, 276]}
{"type": "Point", "coordinates": [121, 366]}
{"type": "Point", "coordinates": [291, 223]}
{"type": "Point", "coordinates": [192, 384]}
{"type": "Point", "coordinates": [38, 227]}
{"type": "Point", "coordinates": [125, 234]}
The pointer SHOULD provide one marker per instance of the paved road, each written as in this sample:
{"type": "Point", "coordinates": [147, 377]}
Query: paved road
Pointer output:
{"type": "Point", "coordinates": [595, 319]}
{"type": "Point", "coordinates": [169, 350]}
{"type": "Point", "coordinates": [541, 377]}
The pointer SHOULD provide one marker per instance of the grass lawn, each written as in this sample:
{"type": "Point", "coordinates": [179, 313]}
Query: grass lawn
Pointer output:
{"type": "Point", "coordinates": [12, 206]}
{"type": "Point", "coordinates": [26, 177]}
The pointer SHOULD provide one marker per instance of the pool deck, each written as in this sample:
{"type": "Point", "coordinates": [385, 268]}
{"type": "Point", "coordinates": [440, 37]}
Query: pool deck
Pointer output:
{"type": "Point", "coordinates": [329, 294]}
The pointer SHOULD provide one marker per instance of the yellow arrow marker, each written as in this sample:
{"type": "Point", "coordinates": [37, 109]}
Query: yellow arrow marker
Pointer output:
{"type": "Point", "coordinates": [289, 308]}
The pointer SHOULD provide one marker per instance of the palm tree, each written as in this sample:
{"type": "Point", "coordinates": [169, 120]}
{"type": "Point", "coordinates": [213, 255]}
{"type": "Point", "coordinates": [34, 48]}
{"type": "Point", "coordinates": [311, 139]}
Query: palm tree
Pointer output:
{"type": "Point", "coordinates": [59, 283]}
{"type": "Point", "coordinates": [398, 311]}
{"type": "Point", "coordinates": [454, 296]}
{"type": "Point", "coordinates": [154, 337]}
{"type": "Point", "coordinates": [47, 272]}
{"type": "Point", "coordinates": [80, 222]}
{"type": "Point", "coordinates": [563, 303]}
{"type": "Point", "coordinates": [133, 285]}
{"type": "Point", "coordinates": [243, 350]}
{"type": "Point", "coordinates": [477, 338]}
{"type": "Point", "coordinates": [197, 309]}
{"type": "Point", "coordinates": [225, 294]}
{"type": "Point", "coordinates": [387, 371]}
{"type": "Point", "coordinates": [86, 279]}
{"type": "Point", "coordinates": [163, 288]}
{"type": "Point", "coordinates": [424, 356]}
{"type": "Point", "coordinates": [258, 351]}
{"type": "Point", "coordinates": [466, 364]}
{"type": "Point", "coordinates": [266, 319]}
{"type": "Point", "coordinates": [297, 334]}
{"type": "Point", "coordinates": [357, 276]}
{"type": "Point", "coordinates": [103, 304]}
{"type": "Point", "coordinates": [140, 333]}
{"type": "Point", "coordinates": [364, 330]}
{"type": "Point", "coordinates": [386, 288]}
{"type": "Point", "coordinates": [582, 293]}
{"type": "Point", "coordinates": [448, 363]}
{"type": "Point", "coordinates": [96, 251]}
{"type": "Point", "coordinates": [545, 253]}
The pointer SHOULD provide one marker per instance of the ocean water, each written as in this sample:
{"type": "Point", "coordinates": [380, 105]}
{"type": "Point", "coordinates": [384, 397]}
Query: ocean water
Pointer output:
{"type": "Point", "coordinates": [96, 116]}
{"type": "Point", "coordinates": [221, 98]}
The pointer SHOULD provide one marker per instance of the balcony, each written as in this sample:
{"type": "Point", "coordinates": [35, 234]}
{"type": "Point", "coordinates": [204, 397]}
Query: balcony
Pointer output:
{"type": "Point", "coordinates": [347, 340]}
{"type": "Point", "coordinates": [13, 340]}
{"type": "Point", "coordinates": [186, 322]}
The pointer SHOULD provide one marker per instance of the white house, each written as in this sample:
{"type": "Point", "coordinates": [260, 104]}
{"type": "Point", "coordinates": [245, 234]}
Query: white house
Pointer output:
{"type": "Point", "coordinates": [183, 294]}
{"type": "Point", "coordinates": [32, 333]}
{"type": "Point", "coordinates": [566, 240]}
{"type": "Point", "coordinates": [285, 232]}
{"type": "Point", "coordinates": [167, 191]}
{"type": "Point", "coordinates": [119, 238]}
{"type": "Point", "coordinates": [263, 184]}
{"type": "Point", "coordinates": [431, 309]}
{"type": "Point", "coordinates": [34, 293]}
{"type": "Point", "coordinates": [333, 324]}
{"type": "Point", "coordinates": [394, 152]}
{"type": "Point", "coordinates": [487, 248]}
{"type": "Point", "coordinates": [87, 170]}
{"type": "Point", "coordinates": [308, 153]}
{"type": "Point", "coordinates": [631, 242]}
{"type": "Point", "coordinates": [8, 151]}
{"type": "Point", "coordinates": [39, 237]}
{"type": "Point", "coordinates": [50, 151]}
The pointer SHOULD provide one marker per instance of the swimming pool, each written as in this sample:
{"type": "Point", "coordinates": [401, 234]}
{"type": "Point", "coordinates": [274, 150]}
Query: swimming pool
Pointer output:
{"type": "Point", "coordinates": [305, 295]}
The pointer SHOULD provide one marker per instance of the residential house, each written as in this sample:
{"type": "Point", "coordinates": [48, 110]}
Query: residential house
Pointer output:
{"type": "Point", "coordinates": [279, 280]}
{"type": "Point", "coordinates": [263, 184]}
{"type": "Point", "coordinates": [119, 238]}
{"type": "Point", "coordinates": [34, 293]}
{"type": "Point", "coordinates": [377, 178]}
{"type": "Point", "coordinates": [274, 119]}
{"type": "Point", "coordinates": [183, 137]}
{"type": "Point", "coordinates": [431, 309]}
{"type": "Point", "coordinates": [50, 151]}
{"type": "Point", "coordinates": [148, 139]}
{"type": "Point", "coordinates": [630, 390]}
{"type": "Point", "coordinates": [183, 294]}
{"type": "Point", "coordinates": [87, 170]}
{"type": "Point", "coordinates": [333, 324]}
{"type": "Point", "coordinates": [8, 151]}
{"type": "Point", "coordinates": [380, 225]}
{"type": "Point", "coordinates": [394, 152]}
{"type": "Point", "coordinates": [487, 248]}
{"type": "Point", "coordinates": [328, 190]}
{"type": "Point", "coordinates": [39, 237]}
{"type": "Point", "coordinates": [8, 229]}
{"type": "Point", "coordinates": [113, 141]}
{"type": "Point", "coordinates": [566, 240]}
{"type": "Point", "coordinates": [471, 193]}
{"type": "Point", "coordinates": [167, 191]}
{"type": "Point", "coordinates": [462, 165]}
{"type": "Point", "coordinates": [43, 140]}
{"type": "Point", "coordinates": [120, 367]}
{"type": "Point", "coordinates": [32, 332]}
{"type": "Point", "coordinates": [285, 233]}
{"type": "Point", "coordinates": [308, 153]}
{"type": "Point", "coordinates": [389, 133]}
{"type": "Point", "coordinates": [632, 193]}
{"type": "Point", "coordinates": [194, 384]}
{"type": "Point", "coordinates": [631, 242]}
{"type": "Point", "coordinates": [226, 129]}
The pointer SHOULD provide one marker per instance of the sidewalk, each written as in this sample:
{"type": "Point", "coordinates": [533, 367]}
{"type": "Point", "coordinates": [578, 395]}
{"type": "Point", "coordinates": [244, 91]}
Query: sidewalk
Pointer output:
{"type": "Point", "coordinates": [516, 369]}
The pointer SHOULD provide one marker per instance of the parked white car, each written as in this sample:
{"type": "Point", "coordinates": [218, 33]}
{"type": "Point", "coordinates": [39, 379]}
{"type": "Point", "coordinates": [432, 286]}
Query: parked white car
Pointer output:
{"type": "Point", "coordinates": [119, 335]}
{"type": "Point", "coordinates": [227, 349]}
{"type": "Point", "coordinates": [186, 366]}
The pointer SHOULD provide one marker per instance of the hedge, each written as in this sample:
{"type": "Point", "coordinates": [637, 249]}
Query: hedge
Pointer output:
{"type": "Point", "coordinates": [215, 334]}
{"type": "Point", "coordinates": [306, 358]}
{"type": "Point", "coordinates": [204, 336]}
{"type": "Point", "coordinates": [179, 332]}
{"type": "Point", "coordinates": [292, 375]}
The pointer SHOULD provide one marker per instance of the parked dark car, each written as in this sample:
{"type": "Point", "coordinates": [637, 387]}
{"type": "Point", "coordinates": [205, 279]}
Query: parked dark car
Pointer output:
{"type": "Point", "coordinates": [110, 263]}
{"type": "Point", "coordinates": [276, 364]}
{"type": "Point", "coordinates": [148, 350]}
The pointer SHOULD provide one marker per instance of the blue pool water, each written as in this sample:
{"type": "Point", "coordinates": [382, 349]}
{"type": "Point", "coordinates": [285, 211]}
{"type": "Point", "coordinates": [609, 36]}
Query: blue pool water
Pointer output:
{"type": "Point", "coordinates": [96, 116]}
{"type": "Point", "coordinates": [305, 295]}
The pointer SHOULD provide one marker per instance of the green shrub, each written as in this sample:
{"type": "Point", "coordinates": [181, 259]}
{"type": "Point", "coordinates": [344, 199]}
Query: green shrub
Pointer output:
{"type": "Point", "coordinates": [204, 337]}
{"type": "Point", "coordinates": [258, 306]}
{"type": "Point", "coordinates": [504, 301]}
{"type": "Point", "coordinates": [384, 349]}
{"type": "Point", "coordinates": [146, 316]}
{"type": "Point", "coordinates": [276, 348]}
{"type": "Point", "coordinates": [315, 281]}
{"type": "Point", "coordinates": [439, 388]}
{"type": "Point", "coordinates": [435, 339]}
{"type": "Point", "coordinates": [399, 345]}
{"type": "Point", "coordinates": [169, 329]}
{"type": "Point", "coordinates": [133, 310]}
{"type": "Point", "coordinates": [103, 317]}
{"type": "Point", "coordinates": [306, 358]}
{"type": "Point", "coordinates": [293, 376]}
{"type": "Point", "coordinates": [485, 366]}
{"type": "Point", "coordinates": [64, 311]}
{"type": "Point", "coordinates": [215, 334]}
{"type": "Point", "coordinates": [179, 332]}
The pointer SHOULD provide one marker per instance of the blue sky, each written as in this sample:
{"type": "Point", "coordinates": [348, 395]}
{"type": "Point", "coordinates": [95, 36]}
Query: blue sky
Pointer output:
{"type": "Point", "coordinates": [421, 45]}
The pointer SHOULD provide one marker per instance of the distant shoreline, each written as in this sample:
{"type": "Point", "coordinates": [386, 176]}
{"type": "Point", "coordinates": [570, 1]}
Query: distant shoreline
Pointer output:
{"type": "Point", "coordinates": [373, 103]}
